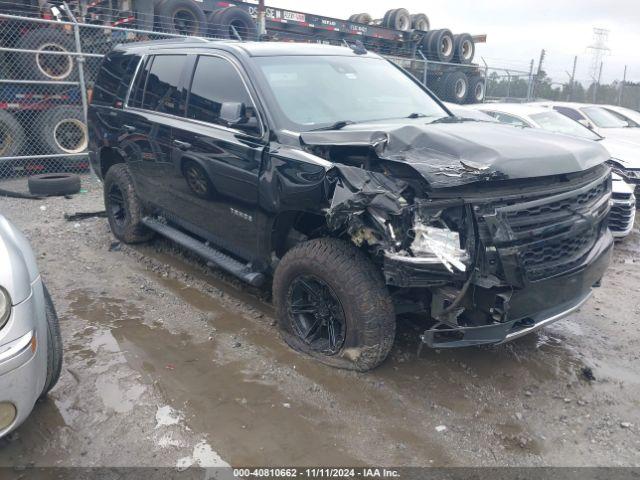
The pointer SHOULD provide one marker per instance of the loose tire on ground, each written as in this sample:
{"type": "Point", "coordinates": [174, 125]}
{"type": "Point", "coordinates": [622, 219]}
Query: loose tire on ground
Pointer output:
{"type": "Point", "coordinates": [54, 184]}
{"type": "Point", "coordinates": [222, 21]}
{"type": "Point", "coordinates": [397, 19]}
{"type": "Point", "coordinates": [476, 89]}
{"type": "Point", "coordinates": [182, 17]}
{"type": "Point", "coordinates": [420, 21]}
{"type": "Point", "coordinates": [464, 48]}
{"type": "Point", "coordinates": [11, 136]}
{"type": "Point", "coordinates": [124, 209]}
{"type": "Point", "coordinates": [43, 66]}
{"type": "Point", "coordinates": [54, 344]}
{"type": "Point", "coordinates": [360, 290]}
{"type": "Point", "coordinates": [63, 131]}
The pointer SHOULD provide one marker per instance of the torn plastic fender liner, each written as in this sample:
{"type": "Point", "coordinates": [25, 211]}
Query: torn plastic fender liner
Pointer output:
{"type": "Point", "coordinates": [357, 190]}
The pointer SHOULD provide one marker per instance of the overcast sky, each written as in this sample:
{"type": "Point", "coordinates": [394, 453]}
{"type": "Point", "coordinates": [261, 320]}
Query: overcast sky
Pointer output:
{"type": "Point", "coordinates": [518, 29]}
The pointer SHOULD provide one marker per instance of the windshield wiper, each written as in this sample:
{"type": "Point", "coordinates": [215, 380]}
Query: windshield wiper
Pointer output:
{"type": "Point", "coordinates": [334, 126]}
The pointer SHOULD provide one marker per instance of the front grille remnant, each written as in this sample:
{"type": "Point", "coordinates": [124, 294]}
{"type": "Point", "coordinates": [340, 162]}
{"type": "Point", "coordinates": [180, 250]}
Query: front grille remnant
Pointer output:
{"type": "Point", "coordinates": [547, 236]}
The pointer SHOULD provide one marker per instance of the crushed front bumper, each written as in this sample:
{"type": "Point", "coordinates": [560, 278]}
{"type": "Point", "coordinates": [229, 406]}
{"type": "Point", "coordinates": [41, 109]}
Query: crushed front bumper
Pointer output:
{"type": "Point", "coordinates": [539, 304]}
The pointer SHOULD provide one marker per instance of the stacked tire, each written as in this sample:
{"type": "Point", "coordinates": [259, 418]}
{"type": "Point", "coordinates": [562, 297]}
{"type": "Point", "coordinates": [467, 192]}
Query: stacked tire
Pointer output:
{"type": "Point", "coordinates": [459, 87]}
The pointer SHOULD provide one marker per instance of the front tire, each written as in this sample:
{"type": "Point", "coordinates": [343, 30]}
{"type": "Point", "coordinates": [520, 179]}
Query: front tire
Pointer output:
{"type": "Point", "coordinates": [54, 344]}
{"type": "Point", "coordinates": [124, 208]}
{"type": "Point", "coordinates": [325, 282]}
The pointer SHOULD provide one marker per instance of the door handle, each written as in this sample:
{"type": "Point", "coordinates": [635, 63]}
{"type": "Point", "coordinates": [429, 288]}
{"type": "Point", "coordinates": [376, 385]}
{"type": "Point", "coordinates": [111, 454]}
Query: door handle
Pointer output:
{"type": "Point", "coordinates": [182, 145]}
{"type": "Point", "coordinates": [129, 128]}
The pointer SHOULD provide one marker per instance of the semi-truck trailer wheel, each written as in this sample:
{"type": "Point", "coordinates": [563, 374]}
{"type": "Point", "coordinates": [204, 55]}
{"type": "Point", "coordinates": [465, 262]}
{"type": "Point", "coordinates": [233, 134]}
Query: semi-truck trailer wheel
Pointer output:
{"type": "Point", "coordinates": [464, 49]}
{"type": "Point", "coordinates": [476, 89]}
{"type": "Point", "coordinates": [225, 22]}
{"type": "Point", "coordinates": [397, 19]}
{"type": "Point", "coordinates": [11, 135]}
{"type": "Point", "coordinates": [440, 45]}
{"type": "Point", "coordinates": [420, 21]}
{"type": "Point", "coordinates": [182, 17]}
{"type": "Point", "coordinates": [46, 65]}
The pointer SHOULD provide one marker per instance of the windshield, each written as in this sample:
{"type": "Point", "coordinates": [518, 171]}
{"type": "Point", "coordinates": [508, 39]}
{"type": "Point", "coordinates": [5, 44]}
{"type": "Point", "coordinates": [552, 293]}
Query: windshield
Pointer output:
{"type": "Point", "coordinates": [602, 118]}
{"type": "Point", "coordinates": [558, 123]}
{"type": "Point", "coordinates": [317, 91]}
{"type": "Point", "coordinates": [626, 115]}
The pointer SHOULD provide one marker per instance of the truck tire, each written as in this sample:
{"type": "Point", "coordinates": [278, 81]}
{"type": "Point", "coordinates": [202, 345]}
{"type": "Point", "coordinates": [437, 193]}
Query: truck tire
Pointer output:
{"type": "Point", "coordinates": [42, 66]}
{"type": "Point", "coordinates": [454, 87]}
{"type": "Point", "coordinates": [440, 45]}
{"type": "Point", "coordinates": [181, 17]}
{"type": "Point", "coordinates": [364, 18]}
{"type": "Point", "coordinates": [54, 344]}
{"type": "Point", "coordinates": [332, 304]}
{"type": "Point", "coordinates": [420, 21]}
{"type": "Point", "coordinates": [464, 48]}
{"type": "Point", "coordinates": [124, 209]}
{"type": "Point", "coordinates": [476, 89]}
{"type": "Point", "coordinates": [63, 131]}
{"type": "Point", "coordinates": [54, 184]}
{"type": "Point", "coordinates": [11, 135]}
{"type": "Point", "coordinates": [223, 20]}
{"type": "Point", "coordinates": [397, 19]}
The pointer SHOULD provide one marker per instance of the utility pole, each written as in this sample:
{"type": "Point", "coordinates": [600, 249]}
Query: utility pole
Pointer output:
{"type": "Point", "coordinates": [624, 80]}
{"type": "Point", "coordinates": [597, 84]}
{"type": "Point", "coordinates": [543, 53]}
{"type": "Point", "coordinates": [573, 77]}
{"type": "Point", "coordinates": [262, 19]}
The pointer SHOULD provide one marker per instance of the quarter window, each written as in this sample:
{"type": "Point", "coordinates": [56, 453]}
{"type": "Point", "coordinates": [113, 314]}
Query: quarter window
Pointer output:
{"type": "Point", "coordinates": [162, 93]}
{"type": "Point", "coordinates": [216, 81]}
{"type": "Point", "coordinates": [137, 90]}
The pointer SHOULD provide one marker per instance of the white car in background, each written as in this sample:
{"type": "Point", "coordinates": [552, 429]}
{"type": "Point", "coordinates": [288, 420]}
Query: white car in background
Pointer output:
{"type": "Point", "coordinates": [534, 115]}
{"type": "Point", "coordinates": [632, 117]}
{"type": "Point", "coordinates": [598, 119]}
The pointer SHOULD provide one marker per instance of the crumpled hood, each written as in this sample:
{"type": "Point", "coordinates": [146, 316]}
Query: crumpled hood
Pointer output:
{"type": "Point", "coordinates": [18, 268]}
{"type": "Point", "coordinates": [626, 153]}
{"type": "Point", "coordinates": [453, 154]}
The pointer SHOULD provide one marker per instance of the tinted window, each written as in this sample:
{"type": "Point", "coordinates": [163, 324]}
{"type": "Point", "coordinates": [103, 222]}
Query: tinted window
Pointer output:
{"type": "Point", "coordinates": [216, 81]}
{"type": "Point", "coordinates": [569, 112]}
{"type": "Point", "coordinates": [510, 119]}
{"type": "Point", "coordinates": [137, 90]}
{"type": "Point", "coordinates": [113, 78]}
{"type": "Point", "coordinates": [161, 92]}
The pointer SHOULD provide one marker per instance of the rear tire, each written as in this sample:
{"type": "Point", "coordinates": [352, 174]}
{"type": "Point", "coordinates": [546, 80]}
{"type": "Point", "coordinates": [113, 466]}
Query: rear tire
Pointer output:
{"type": "Point", "coordinates": [124, 208]}
{"type": "Point", "coordinates": [361, 304]}
{"type": "Point", "coordinates": [54, 344]}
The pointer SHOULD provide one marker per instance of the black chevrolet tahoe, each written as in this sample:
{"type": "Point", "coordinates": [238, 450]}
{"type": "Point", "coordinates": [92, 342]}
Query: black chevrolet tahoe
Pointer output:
{"type": "Point", "coordinates": [337, 177]}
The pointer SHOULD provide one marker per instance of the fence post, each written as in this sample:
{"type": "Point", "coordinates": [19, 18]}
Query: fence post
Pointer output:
{"type": "Point", "coordinates": [486, 79]}
{"type": "Point", "coordinates": [424, 71]}
{"type": "Point", "coordinates": [80, 61]}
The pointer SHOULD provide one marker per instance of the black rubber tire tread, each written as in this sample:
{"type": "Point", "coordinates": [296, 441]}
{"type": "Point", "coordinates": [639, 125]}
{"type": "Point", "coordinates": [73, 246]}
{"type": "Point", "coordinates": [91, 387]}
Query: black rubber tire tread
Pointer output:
{"type": "Point", "coordinates": [434, 37]}
{"type": "Point", "coordinates": [33, 40]}
{"type": "Point", "coordinates": [54, 344]}
{"type": "Point", "coordinates": [226, 16]}
{"type": "Point", "coordinates": [363, 18]}
{"type": "Point", "coordinates": [447, 87]}
{"type": "Point", "coordinates": [415, 18]}
{"type": "Point", "coordinates": [393, 20]}
{"type": "Point", "coordinates": [473, 81]}
{"type": "Point", "coordinates": [457, 48]}
{"type": "Point", "coordinates": [165, 10]}
{"type": "Point", "coordinates": [54, 184]}
{"type": "Point", "coordinates": [48, 121]}
{"type": "Point", "coordinates": [134, 230]}
{"type": "Point", "coordinates": [369, 312]}
{"type": "Point", "coordinates": [10, 126]}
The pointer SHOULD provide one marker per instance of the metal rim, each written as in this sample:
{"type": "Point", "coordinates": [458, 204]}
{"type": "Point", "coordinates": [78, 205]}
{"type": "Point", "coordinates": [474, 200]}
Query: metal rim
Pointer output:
{"type": "Point", "coordinates": [446, 46]}
{"type": "Point", "coordinates": [460, 88]}
{"type": "Point", "coordinates": [70, 135]}
{"type": "Point", "coordinates": [196, 180]}
{"type": "Point", "coordinates": [404, 23]}
{"type": "Point", "coordinates": [467, 48]}
{"type": "Point", "coordinates": [117, 208]}
{"type": "Point", "coordinates": [316, 314]}
{"type": "Point", "coordinates": [184, 22]}
{"type": "Point", "coordinates": [56, 67]}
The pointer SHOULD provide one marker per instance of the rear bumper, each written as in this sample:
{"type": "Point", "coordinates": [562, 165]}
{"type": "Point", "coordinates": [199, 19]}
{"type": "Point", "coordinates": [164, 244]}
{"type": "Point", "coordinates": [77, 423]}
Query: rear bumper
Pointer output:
{"type": "Point", "coordinates": [533, 307]}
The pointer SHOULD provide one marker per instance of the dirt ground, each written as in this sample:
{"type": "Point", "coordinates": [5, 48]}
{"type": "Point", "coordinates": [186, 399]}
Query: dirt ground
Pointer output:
{"type": "Point", "coordinates": [171, 363]}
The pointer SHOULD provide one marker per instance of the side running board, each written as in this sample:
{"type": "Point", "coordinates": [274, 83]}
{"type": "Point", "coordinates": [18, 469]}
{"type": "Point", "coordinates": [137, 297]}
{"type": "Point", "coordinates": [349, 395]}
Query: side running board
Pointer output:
{"type": "Point", "coordinates": [216, 257]}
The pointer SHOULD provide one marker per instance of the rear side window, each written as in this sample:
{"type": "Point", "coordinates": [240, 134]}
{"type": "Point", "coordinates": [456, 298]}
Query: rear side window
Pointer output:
{"type": "Point", "coordinates": [113, 78]}
{"type": "Point", "coordinates": [216, 81]}
{"type": "Point", "coordinates": [161, 93]}
{"type": "Point", "coordinates": [569, 112]}
{"type": "Point", "coordinates": [137, 89]}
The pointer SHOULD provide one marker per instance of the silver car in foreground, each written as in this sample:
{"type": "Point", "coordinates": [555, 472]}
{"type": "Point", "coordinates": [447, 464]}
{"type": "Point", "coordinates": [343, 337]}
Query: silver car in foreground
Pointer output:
{"type": "Point", "coordinates": [30, 342]}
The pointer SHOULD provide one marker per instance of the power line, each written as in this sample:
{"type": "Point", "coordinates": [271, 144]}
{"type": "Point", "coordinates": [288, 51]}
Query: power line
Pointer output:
{"type": "Point", "coordinates": [598, 51]}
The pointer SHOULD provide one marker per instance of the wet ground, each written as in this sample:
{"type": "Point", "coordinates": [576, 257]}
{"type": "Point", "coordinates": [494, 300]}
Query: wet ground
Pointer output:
{"type": "Point", "coordinates": [171, 363]}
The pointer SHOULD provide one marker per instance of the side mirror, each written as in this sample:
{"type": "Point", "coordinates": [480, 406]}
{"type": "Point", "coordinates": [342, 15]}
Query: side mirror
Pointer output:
{"type": "Point", "coordinates": [232, 113]}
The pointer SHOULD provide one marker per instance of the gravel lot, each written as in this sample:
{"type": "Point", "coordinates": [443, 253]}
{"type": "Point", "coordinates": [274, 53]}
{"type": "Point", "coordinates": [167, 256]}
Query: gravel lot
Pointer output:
{"type": "Point", "coordinates": [171, 363]}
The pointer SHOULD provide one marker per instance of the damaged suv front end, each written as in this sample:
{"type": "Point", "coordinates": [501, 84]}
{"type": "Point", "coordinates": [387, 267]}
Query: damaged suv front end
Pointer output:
{"type": "Point", "coordinates": [492, 233]}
